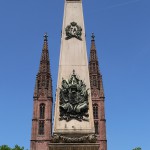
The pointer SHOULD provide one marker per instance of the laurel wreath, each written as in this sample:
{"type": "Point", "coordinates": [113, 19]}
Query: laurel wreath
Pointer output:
{"type": "Point", "coordinates": [73, 31]}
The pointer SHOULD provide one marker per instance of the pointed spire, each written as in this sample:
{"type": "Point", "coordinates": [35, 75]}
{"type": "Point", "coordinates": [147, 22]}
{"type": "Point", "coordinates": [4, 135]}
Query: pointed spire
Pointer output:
{"type": "Point", "coordinates": [93, 54]}
{"type": "Point", "coordinates": [44, 63]}
{"type": "Point", "coordinates": [94, 65]}
{"type": "Point", "coordinates": [44, 80]}
{"type": "Point", "coordinates": [42, 96]}
{"type": "Point", "coordinates": [97, 92]}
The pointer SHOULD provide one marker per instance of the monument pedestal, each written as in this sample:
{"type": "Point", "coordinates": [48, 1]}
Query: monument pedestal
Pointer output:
{"type": "Point", "coordinates": [73, 146]}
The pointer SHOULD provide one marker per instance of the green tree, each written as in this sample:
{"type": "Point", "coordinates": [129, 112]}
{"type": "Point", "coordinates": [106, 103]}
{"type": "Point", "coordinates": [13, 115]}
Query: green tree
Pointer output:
{"type": "Point", "coordinates": [18, 148]}
{"type": "Point", "coordinates": [6, 147]}
{"type": "Point", "coordinates": [138, 148]}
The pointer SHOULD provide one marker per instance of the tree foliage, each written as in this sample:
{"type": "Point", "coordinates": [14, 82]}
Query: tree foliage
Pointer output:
{"type": "Point", "coordinates": [6, 147]}
{"type": "Point", "coordinates": [138, 148]}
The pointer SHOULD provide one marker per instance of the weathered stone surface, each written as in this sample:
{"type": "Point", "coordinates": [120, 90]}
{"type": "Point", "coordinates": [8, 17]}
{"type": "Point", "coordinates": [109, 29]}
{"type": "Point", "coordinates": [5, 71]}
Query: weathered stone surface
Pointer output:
{"type": "Point", "coordinates": [73, 56]}
{"type": "Point", "coordinates": [74, 139]}
{"type": "Point", "coordinates": [73, 146]}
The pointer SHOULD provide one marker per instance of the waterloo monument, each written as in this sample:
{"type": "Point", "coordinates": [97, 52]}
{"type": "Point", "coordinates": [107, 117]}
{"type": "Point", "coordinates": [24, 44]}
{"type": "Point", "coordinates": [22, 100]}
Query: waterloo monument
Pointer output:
{"type": "Point", "coordinates": [79, 114]}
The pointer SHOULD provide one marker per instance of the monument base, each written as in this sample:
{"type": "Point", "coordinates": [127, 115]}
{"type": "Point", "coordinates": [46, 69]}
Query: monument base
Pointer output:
{"type": "Point", "coordinates": [73, 146]}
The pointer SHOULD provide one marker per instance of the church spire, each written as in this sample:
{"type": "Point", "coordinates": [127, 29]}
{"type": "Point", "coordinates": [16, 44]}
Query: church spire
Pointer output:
{"type": "Point", "coordinates": [44, 75]}
{"type": "Point", "coordinates": [98, 97]}
{"type": "Point", "coordinates": [94, 65]}
{"type": "Point", "coordinates": [43, 101]}
{"type": "Point", "coordinates": [44, 63]}
{"type": "Point", "coordinates": [93, 49]}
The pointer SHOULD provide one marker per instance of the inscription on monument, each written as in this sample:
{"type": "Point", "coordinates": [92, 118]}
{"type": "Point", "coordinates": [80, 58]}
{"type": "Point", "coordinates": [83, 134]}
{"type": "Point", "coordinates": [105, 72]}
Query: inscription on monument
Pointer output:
{"type": "Point", "coordinates": [73, 99]}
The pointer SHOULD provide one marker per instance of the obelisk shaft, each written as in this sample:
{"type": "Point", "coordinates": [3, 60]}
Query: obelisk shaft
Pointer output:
{"type": "Point", "coordinates": [73, 56]}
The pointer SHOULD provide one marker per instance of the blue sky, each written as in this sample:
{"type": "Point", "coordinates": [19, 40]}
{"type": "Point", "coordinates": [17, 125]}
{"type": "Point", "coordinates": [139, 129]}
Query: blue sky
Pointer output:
{"type": "Point", "coordinates": [122, 30]}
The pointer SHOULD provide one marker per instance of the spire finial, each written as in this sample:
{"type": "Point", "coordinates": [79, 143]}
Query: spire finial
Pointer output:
{"type": "Point", "coordinates": [93, 37]}
{"type": "Point", "coordinates": [45, 36]}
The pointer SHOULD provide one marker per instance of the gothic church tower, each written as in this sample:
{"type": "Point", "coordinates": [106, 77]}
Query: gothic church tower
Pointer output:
{"type": "Point", "coordinates": [98, 97]}
{"type": "Point", "coordinates": [42, 111]}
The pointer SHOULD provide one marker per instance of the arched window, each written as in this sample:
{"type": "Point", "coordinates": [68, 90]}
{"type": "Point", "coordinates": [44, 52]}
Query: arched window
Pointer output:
{"type": "Point", "coordinates": [94, 67]}
{"type": "Point", "coordinates": [96, 127]}
{"type": "Point", "coordinates": [94, 81]}
{"type": "Point", "coordinates": [42, 111]}
{"type": "Point", "coordinates": [43, 83]}
{"type": "Point", "coordinates": [95, 111]}
{"type": "Point", "coordinates": [93, 55]}
{"type": "Point", "coordinates": [41, 127]}
{"type": "Point", "coordinates": [38, 83]}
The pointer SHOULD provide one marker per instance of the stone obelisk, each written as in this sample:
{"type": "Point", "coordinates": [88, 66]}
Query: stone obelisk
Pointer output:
{"type": "Point", "coordinates": [73, 116]}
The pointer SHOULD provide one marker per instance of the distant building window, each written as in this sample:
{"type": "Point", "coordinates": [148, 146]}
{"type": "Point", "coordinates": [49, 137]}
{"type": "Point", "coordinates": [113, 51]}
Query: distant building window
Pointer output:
{"type": "Point", "coordinates": [96, 127]}
{"type": "Point", "coordinates": [94, 81]}
{"type": "Point", "coordinates": [41, 127]}
{"type": "Point", "coordinates": [95, 111]}
{"type": "Point", "coordinates": [94, 67]}
{"type": "Point", "coordinates": [90, 68]}
{"type": "Point", "coordinates": [42, 111]}
{"type": "Point", "coordinates": [43, 83]}
{"type": "Point", "coordinates": [38, 83]}
{"type": "Point", "coordinates": [93, 56]}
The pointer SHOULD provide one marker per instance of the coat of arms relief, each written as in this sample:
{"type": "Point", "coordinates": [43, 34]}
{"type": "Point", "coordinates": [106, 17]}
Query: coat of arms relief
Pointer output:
{"type": "Point", "coordinates": [73, 102]}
